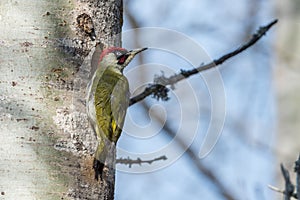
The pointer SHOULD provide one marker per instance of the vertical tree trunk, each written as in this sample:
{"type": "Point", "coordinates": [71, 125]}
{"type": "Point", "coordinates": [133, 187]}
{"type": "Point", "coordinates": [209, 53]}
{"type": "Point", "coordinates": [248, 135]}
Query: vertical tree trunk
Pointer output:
{"type": "Point", "coordinates": [46, 144]}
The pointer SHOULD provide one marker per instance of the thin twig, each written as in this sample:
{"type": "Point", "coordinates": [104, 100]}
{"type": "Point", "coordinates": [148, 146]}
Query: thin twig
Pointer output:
{"type": "Point", "coordinates": [160, 85]}
{"type": "Point", "coordinates": [138, 161]}
{"type": "Point", "coordinates": [281, 191]}
{"type": "Point", "coordinates": [276, 189]}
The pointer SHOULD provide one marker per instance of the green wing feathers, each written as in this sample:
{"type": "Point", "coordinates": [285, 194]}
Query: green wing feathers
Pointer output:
{"type": "Point", "coordinates": [111, 103]}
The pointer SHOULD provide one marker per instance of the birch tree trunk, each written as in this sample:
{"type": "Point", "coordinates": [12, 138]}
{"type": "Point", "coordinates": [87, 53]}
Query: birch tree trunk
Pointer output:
{"type": "Point", "coordinates": [46, 144]}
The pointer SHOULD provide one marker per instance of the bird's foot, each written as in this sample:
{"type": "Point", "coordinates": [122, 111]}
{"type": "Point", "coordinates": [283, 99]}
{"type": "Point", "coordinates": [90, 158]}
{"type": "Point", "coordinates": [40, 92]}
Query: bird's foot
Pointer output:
{"type": "Point", "coordinates": [98, 168]}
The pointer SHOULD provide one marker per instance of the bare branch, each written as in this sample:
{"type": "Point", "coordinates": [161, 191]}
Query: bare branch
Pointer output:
{"type": "Point", "coordinates": [159, 90]}
{"type": "Point", "coordinates": [289, 187]}
{"type": "Point", "coordinates": [130, 162]}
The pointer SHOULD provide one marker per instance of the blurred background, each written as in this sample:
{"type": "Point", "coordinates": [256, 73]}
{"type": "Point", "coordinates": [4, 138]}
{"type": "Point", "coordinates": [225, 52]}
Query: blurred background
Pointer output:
{"type": "Point", "coordinates": [254, 93]}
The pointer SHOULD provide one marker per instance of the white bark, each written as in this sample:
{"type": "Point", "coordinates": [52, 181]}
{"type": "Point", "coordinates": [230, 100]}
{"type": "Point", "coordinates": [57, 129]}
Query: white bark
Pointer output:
{"type": "Point", "coordinates": [45, 140]}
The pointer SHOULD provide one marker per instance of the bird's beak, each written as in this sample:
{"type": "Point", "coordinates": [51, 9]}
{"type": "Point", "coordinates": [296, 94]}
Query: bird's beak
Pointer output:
{"type": "Point", "coordinates": [131, 54]}
{"type": "Point", "coordinates": [136, 51]}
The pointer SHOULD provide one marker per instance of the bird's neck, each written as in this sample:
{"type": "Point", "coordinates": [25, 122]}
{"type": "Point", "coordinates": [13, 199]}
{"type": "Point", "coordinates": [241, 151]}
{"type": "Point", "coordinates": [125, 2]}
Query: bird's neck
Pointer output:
{"type": "Point", "coordinates": [115, 70]}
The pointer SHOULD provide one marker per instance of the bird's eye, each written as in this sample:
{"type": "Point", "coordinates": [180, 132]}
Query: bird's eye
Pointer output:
{"type": "Point", "coordinates": [122, 59]}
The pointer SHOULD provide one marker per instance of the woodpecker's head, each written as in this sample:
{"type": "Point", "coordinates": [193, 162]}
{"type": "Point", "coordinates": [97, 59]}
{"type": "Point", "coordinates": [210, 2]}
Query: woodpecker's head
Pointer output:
{"type": "Point", "coordinates": [118, 57]}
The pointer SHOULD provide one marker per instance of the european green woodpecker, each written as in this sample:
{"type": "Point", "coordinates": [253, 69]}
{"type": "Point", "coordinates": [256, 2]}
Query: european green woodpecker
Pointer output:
{"type": "Point", "coordinates": [107, 100]}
